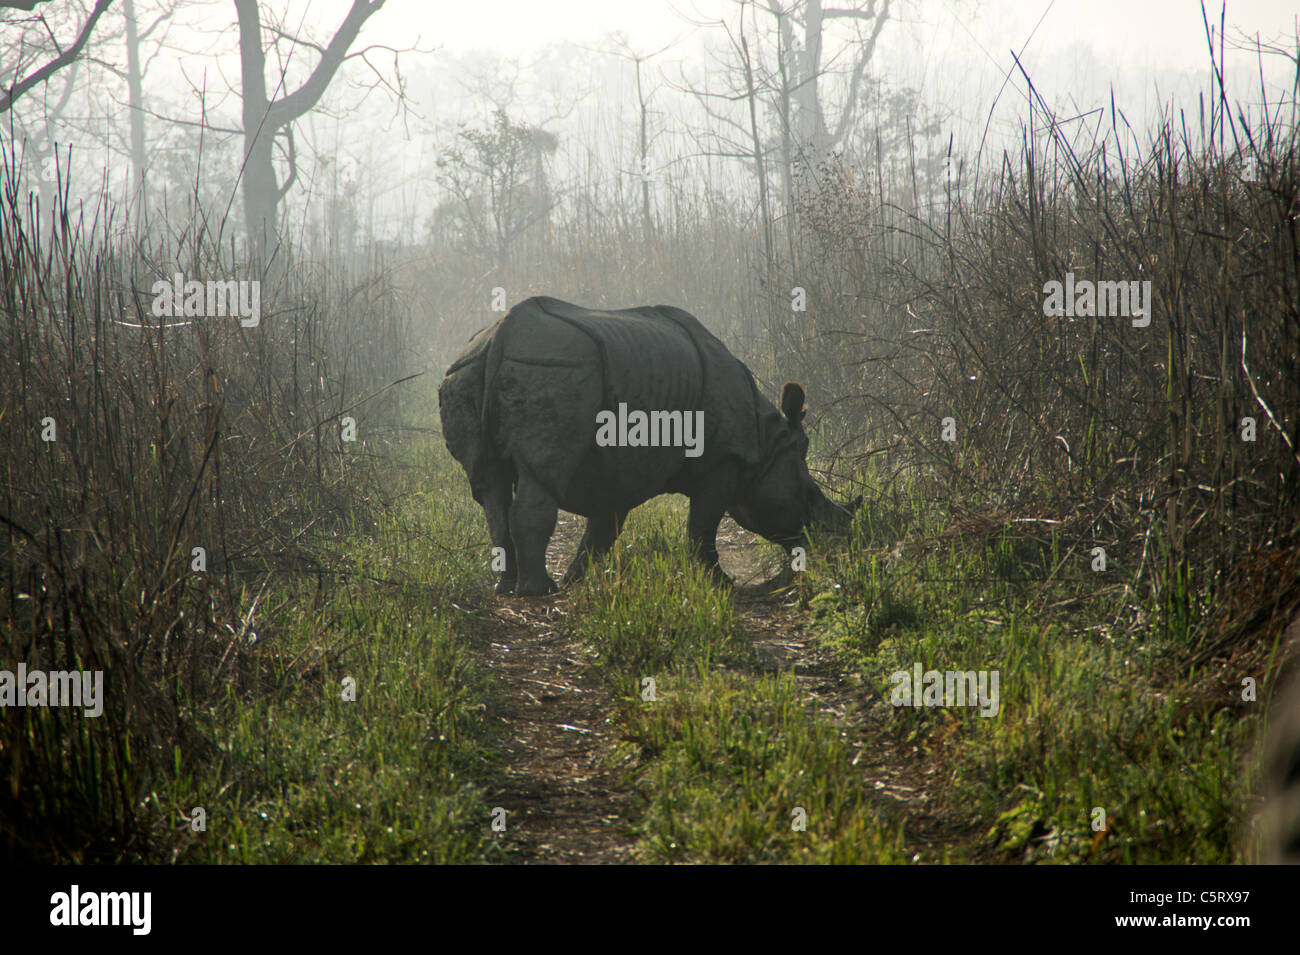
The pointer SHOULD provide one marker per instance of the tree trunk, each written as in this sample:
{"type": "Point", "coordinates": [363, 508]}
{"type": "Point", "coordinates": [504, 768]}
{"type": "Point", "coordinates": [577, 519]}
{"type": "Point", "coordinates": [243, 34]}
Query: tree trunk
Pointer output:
{"type": "Point", "coordinates": [264, 118]}
{"type": "Point", "coordinates": [812, 123]}
{"type": "Point", "coordinates": [259, 172]}
{"type": "Point", "coordinates": [135, 99]}
{"type": "Point", "coordinates": [647, 226]}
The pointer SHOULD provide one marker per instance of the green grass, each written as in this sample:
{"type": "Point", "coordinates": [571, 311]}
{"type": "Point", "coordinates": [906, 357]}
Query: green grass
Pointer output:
{"type": "Point", "coordinates": [1094, 713]}
{"type": "Point", "coordinates": [302, 775]}
{"type": "Point", "coordinates": [727, 759]}
{"type": "Point", "coordinates": [742, 770]}
{"type": "Point", "coordinates": [723, 759]}
{"type": "Point", "coordinates": [650, 606]}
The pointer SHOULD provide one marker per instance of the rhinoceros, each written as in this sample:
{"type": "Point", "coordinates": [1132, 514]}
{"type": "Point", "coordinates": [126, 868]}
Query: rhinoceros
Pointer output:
{"type": "Point", "coordinates": [541, 410]}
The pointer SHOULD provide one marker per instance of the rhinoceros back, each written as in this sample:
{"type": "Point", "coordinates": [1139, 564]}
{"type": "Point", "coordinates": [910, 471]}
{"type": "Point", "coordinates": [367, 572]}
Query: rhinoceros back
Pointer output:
{"type": "Point", "coordinates": [551, 366]}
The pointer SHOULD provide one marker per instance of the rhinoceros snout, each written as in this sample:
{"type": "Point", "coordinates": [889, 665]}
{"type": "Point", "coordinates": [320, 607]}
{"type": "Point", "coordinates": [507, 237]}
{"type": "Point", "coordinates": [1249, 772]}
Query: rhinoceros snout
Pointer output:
{"type": "Point", "coordinates": [837, 517]}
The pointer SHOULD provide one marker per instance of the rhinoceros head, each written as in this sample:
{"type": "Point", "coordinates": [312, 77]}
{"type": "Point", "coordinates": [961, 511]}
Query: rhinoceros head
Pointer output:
{"type": "Point", "coordinates": [784, 499]}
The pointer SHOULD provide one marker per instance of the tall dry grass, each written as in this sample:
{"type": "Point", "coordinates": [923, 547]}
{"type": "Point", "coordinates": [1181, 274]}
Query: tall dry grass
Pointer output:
{"type": "Point", "coordinates": [170, 434]}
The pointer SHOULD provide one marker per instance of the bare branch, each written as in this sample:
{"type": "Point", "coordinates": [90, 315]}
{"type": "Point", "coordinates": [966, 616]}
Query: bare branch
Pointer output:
{"type": "Point", "coordinates": [272, 28]}
{"type": "Point", "coordinates": [290, 107]}
{"type": "Point", "coordinates": [850, 108]}
{"type": "Point", "coordinates": [14, 92]}
{"type": "Point", "coordinates": [292, 159]}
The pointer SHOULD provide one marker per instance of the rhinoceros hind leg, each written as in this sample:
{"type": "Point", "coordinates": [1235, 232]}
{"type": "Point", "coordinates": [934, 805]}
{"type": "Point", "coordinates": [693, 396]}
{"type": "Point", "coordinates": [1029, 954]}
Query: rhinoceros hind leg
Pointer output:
{"type": "Point", "coordinates": [532, 521]}
{"type": "Point", "coordinates": [602, 531]}
{"type": "Point", "coordinates": [495, 499]}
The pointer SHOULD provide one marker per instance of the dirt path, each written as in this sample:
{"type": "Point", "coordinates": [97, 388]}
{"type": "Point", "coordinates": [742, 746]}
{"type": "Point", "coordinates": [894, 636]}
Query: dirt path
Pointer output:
{"type": "Point", "coordinates": [562, 804]}
{"type": "Point", "coordinates": [785, 644]}
{"type": "Point", "coordinates": [901, 775]}
{"type": "Point", "coordinates": [565, 806]}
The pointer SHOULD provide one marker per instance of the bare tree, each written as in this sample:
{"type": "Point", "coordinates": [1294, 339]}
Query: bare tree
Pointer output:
{"type": "Point", "coordinates": [62, 55]}
{"type": "Point", "coordinates": [38, 105]}
{"type": "Point", "coordinates": [802, 26]}
{"type": "Point", "coordinates": [133, 35]}
{"type": "Point", "coordinates": [776, 72]}
{"type": "Point", "coordinates": [102, 53]}
{"type": "Point", "coordinates": [135, 97]}
{"type": "Point", "coordinates": [739, 111]}
{"type": "Point", "coordinates": [643, 98]}
{"type": "Point", "coordinates": [265, 117]}
{"type": "Point", "coordinates": [498, 179]}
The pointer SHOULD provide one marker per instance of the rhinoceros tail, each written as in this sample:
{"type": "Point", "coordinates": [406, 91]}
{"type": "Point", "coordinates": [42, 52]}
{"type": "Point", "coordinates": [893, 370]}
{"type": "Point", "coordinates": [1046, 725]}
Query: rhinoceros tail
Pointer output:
{"type": "Point", "coordinates": [492, 359]}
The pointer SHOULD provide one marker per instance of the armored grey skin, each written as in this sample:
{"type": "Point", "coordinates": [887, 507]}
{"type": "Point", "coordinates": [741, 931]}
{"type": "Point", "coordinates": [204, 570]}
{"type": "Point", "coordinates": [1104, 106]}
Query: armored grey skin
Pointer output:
{"type": "Point", "coordinates": [519, 412]}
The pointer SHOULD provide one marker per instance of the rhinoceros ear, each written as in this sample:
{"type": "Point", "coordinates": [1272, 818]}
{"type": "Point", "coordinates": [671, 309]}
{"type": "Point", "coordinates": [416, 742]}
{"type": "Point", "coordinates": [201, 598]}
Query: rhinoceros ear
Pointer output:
{"type": "Point", "coordinates": [792, 403]}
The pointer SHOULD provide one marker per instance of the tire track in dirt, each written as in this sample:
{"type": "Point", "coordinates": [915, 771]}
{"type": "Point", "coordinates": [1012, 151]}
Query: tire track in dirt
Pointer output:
{"type": "Point", "coordinates": [904, 778]}
{"type": "Point", "coordinates": [568, 803]}
{"type": "Point", "coordinates": [564, 804]}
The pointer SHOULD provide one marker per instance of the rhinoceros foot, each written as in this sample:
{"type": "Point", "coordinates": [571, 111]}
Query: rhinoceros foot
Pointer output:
{"type": "Point", "coordinates": [536, 590]}
{"type": "Point", "coordinates": [719, 577]}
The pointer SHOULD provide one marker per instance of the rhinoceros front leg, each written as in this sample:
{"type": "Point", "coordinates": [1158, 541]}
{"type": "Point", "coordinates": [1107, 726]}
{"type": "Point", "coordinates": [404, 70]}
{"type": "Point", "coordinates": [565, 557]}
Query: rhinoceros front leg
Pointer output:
{"type": "Point", "coordinates": [602, 531]}
{"type": "Point", "coordinates": [708, 505]}
{"type": "Point", "coordinates": [532, 521]}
